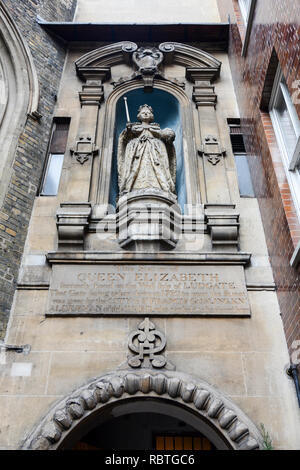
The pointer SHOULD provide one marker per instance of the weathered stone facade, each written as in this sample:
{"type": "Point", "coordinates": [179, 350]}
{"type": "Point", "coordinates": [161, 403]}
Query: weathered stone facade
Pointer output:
{"type": "Point", "coordinates": [194, 327]}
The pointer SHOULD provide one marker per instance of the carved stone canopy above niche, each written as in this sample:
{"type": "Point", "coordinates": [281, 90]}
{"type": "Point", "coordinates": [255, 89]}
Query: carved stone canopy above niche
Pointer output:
{"type": "Point", "coordinates": [147, 61]}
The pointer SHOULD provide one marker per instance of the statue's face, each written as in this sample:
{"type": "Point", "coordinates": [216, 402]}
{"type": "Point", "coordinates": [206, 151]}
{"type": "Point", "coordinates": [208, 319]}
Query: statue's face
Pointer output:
{"type": "Point", "coordinates": [145, 115]}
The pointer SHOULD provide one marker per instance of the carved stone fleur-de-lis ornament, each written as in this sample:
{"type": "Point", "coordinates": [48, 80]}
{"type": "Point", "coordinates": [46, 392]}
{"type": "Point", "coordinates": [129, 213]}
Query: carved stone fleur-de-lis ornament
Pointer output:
{"type": "Point", "coordinates": [147, 342]}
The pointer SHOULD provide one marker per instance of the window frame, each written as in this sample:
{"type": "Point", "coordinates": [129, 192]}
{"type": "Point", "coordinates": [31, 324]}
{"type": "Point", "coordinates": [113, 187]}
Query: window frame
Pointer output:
{"type": "Point", "coordinates": [247, 15]}
{"type": "Point", "coordinates": [243, 193]}
{"type": "Point", "coordinates": [45, 176]}
{"type": "Point", "coordinates": [49, 155]}
{"type": "Point", "coordinates": [238, 150]}
{"type": "Point", "coordinates": [291, 163]}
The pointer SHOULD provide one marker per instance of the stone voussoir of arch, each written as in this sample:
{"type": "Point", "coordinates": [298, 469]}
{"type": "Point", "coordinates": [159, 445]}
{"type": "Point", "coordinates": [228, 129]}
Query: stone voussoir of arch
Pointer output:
{"type": "Point", "coordinates": [236, 428]}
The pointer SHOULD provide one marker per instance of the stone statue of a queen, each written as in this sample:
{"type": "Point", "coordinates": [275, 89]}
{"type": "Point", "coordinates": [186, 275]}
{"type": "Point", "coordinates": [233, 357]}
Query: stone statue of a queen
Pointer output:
{"type": "Point", "coordinates": [146, 155]}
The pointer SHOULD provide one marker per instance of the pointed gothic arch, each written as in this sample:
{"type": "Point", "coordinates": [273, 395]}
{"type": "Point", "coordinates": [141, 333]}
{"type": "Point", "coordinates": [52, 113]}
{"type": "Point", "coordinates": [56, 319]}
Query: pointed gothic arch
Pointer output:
{"type": "Point", "coordinates": [222, 416]}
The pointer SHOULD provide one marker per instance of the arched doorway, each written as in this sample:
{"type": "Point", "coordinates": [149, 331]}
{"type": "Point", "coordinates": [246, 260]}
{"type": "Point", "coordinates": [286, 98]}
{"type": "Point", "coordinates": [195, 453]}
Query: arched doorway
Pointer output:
{"type": "Point", "coordinates": [121, 393]}
{"type": "Point", "coordinates": [145, 424]}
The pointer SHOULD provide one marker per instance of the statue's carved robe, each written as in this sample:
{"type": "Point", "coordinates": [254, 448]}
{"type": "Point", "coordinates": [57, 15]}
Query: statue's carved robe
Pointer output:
{"type": "Point", "coordinates": [146, 158]}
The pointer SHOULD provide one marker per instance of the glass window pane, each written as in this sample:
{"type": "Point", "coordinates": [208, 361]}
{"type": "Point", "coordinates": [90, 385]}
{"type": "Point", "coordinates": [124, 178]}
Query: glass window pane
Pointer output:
{"type": "Point", "coordinates": [60, 136]}
{"type": "Point", "coordinates": [286, 124]}
{"type": "Point", "coordinates": [52, 176]}
{"type": "Point", "coordinates": [244, 177]}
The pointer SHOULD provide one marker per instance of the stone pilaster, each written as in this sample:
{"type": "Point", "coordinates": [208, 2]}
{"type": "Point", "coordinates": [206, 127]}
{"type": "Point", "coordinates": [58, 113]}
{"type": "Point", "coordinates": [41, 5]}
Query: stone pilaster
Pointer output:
{"type": "Point", "coordinates": [73, 217]}
{"type": "Point", "coordinates": [85, 146]}
{"type": "Point", "coordinates": [217, 190]}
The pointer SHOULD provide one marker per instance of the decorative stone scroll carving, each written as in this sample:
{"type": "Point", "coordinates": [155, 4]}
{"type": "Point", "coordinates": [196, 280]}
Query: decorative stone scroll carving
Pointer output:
{"type": "Point", "coordinates": [226, 418]}
{"type": "Point", "coordinates": [223, 224]}
{"type": "Point", "coordinates": [146, 343]}
{"type": "Point", "coordinates": [84, 149]}
{"type": "Point", "coordinates": [174, 52]}
{"type": "Point", "coordinates": [107, 56]}
{"type": "Point", "coordinates": [72, 221]}
{"type": "Point", "coordinates": [189, 56]}
{"type": "Point", "coordinates": [212, 150]}
{"type": "Point", "coordinates": [147, 60]}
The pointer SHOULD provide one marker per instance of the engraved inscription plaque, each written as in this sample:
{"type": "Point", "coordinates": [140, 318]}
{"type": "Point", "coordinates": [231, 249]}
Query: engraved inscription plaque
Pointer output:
{"type": "Point", "coordinates": [162, 290]}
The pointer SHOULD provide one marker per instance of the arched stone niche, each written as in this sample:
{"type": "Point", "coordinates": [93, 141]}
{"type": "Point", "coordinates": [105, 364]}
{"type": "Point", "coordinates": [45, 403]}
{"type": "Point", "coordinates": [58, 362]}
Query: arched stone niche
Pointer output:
{"type": "Point", "coordinates": [19, 92]}
{"type": "Point", "coordinates": [208, 198]}
{"type": "Point", "coordinates": [210, 412]}
{"type": "Point", "coordinates": [95, 69]}
{"type": "Point", "coordinates": [167, 113]}
{"type": "Point", "coordinates": [188, 158]}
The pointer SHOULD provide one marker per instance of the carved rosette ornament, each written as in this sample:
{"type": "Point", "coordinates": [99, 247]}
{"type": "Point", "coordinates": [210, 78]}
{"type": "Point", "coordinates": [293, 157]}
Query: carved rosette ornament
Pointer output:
{"type": "Point", "coordinates": [203, 400]}
{"type": "Point", "coordinates": [147, 342]}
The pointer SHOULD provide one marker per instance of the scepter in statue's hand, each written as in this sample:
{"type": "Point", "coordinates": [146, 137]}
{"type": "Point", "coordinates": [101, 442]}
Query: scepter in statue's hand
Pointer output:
{"type": "Point", "coordinates": [128, 124]}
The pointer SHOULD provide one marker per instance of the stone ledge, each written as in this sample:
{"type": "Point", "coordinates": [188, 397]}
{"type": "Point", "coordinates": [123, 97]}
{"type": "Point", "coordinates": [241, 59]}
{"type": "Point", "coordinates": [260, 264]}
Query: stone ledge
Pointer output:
{"type": "Point", "coordinates": [119, 257]}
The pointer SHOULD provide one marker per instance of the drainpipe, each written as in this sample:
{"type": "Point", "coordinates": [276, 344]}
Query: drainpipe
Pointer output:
{"type": "Point", "coordinates": [293, 372]}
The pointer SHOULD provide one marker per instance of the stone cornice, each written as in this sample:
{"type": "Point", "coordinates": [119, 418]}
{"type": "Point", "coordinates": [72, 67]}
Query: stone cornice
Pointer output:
{"type": "Point", "coordinates": [163, 257]}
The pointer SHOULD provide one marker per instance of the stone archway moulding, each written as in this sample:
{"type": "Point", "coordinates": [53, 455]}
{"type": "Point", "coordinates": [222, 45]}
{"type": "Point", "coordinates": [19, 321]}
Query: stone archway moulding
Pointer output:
{"type": "Point", "coordinates": [223, 416]}
{"type": "Point", "coordinates": [22, 61]}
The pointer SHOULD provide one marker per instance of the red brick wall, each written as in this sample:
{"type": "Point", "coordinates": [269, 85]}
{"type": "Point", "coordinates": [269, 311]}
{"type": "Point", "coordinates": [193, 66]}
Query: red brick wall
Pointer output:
{"type": "Point", "coordinates": [276, 26]}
